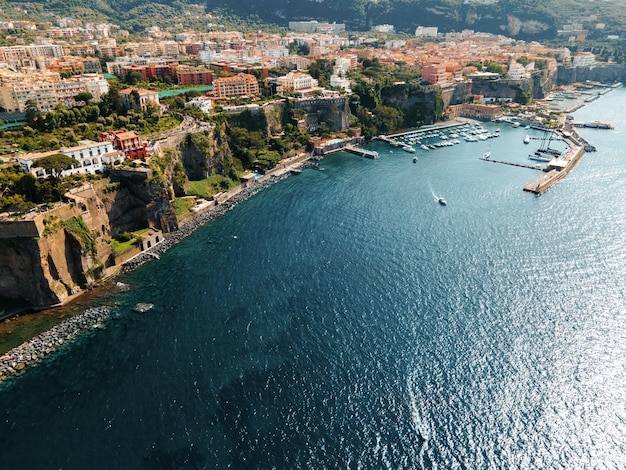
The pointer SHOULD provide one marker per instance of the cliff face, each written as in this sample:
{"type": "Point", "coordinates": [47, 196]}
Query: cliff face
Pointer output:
{"type": "Point", "coordinates": [48, 270]}
{"type": "Point", "coordinates": [204, 154]}
{"type": "Point", "coordinates": [604, 73]}
{"type": "Point", "coordinates": [54, 254]}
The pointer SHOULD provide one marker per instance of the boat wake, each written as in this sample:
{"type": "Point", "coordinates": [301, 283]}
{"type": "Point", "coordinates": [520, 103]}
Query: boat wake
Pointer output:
{"type": "Point", "coordinates": [420, 425]}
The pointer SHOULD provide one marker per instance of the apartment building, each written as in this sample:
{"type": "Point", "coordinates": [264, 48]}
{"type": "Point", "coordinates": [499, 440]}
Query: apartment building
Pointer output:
{"type": "Point", "coordinates": [239, 85]}
{"type": "Point", "coordinates": [186, 75]}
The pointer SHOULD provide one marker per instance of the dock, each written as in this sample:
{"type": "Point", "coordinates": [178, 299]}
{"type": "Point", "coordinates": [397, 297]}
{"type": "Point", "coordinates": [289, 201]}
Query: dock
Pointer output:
{"type": "Point", "coordinates": [571, 158]}
{"type": "Point", "coordinates": [593, 124]}
{"type": "Point", "coordinates": [520, 165]}
{"type": "Point", "coordinates": [362, 152]}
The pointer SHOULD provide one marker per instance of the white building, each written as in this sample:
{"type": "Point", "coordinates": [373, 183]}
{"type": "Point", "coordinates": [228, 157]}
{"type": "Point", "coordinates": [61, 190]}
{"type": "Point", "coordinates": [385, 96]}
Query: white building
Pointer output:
{"type": "Point", "coordinates": [517, 71]}
{"type": "Point", "coordinates": [426, 31]}
{"type": "Point", "coordinates": [583, 59]}
{"type": "Point", "coordinates": [169, 48]}
{"type": "Point", "coordinates": [203, 103]}
{"type": "Point", "coordinates": [316, 27]}
{"type": "Point", "coordinates": [383, 28]}
{"type": "Point", "coordinates": [91, 157]}
{"type": "Point", "coordinates": [295, 81]}
{"type": "Point", "coordinates": [340, 82]}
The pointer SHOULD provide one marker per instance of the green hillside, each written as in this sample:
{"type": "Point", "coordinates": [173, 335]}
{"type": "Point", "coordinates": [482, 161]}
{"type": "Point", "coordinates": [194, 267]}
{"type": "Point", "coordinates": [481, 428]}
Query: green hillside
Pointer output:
{"type": "Point", "coordinates": [514, 18]}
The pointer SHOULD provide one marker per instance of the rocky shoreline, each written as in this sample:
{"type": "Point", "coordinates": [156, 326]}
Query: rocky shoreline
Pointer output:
{"type": "Point", "coordinates": [192, 225]}
{"type": "Point", "coordinates": [33, 351]}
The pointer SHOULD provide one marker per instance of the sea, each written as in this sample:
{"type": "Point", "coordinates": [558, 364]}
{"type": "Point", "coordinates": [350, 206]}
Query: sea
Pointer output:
{"type": "Point", "coordinates": [343, 318]}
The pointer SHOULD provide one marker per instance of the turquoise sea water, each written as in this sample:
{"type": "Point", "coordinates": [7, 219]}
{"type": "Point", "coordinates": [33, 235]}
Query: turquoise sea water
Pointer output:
{"type": "Point", "coordinates": [344, 319]}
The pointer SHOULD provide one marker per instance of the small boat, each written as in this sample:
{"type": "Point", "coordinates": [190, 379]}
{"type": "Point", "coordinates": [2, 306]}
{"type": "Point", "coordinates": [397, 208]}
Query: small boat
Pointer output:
{"type": "Point", "coordinates": [408, 148]}
{"type": "Point", "coordinates": [442, 201]}
{"type": "Point", "coordinates": [516, 124]}
{"type": "Point", "coordinates": [527, 127]}
{"type": "Point", "coordinates": [414, 159]}
{"type": "Point", "coordinates": [539, 158]}
{"type": "Point", "coordinates": [424, 147]}
{"type": "Point", "coordinates": [527, 139]}
{"type": "Point", "coordinates": [486, 155]}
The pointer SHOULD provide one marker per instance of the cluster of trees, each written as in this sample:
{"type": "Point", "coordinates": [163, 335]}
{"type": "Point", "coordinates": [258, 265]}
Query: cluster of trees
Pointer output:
{"type": "Point", "coordinates": [109, 111]}
{"type": "Point", "coordinates": [381, 102]}
{"type": "Point", "coordinates": [21, 191]}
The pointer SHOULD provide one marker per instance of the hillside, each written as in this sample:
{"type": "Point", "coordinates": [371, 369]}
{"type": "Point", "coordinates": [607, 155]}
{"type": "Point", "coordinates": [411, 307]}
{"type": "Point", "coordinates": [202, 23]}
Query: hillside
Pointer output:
{"type": "Point", "coordinates": [514, 18]}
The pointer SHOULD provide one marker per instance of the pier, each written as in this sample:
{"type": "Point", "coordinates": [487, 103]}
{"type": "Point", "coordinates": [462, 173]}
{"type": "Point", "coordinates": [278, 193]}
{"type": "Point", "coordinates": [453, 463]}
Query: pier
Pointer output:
{"type": "Point", "coordinates": [593, 124]}
{"type": "Point", "coordinates": [520, 165]}
{"type": "Point", "coordinates": [557, 172]}
{"type": "Point", "coordinates": [361, 152]}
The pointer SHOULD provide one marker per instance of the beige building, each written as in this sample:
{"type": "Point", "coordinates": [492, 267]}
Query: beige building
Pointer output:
{"type": "Point", "coordinates": [145, 97]}
{"type": "Point", "coordinates": [242, 84]}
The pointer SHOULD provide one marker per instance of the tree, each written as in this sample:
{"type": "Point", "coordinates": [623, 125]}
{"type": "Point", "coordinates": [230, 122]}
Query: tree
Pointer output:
{"type": "Point", "coordinates": [84, 97]}
{"type": "Point", "coordinates": [55, 163]}
{"type": "Point", "coordinates": [33, 115]}
{"type": "Point", "coordinates": [133, 77]}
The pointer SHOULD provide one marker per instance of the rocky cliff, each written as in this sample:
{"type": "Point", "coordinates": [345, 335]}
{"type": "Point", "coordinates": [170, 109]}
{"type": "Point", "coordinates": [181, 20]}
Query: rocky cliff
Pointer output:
{"type": "Point", "coordinates": [50, 255]}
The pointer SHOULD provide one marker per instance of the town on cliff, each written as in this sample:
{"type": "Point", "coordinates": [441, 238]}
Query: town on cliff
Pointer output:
{"type": "Point", "coordinates": [113, 148]}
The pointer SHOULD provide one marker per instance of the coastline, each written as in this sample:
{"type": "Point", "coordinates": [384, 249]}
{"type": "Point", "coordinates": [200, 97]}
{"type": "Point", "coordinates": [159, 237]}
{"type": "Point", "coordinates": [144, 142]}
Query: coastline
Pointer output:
{"type": "Point", "coordinates": [31, 352]}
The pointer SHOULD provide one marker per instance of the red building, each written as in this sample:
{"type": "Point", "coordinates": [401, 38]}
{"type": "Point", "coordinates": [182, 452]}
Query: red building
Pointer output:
{"type": "Point", "coordinates": [129, 142]}
{"type": "Point", "coordinates": [186, 76]}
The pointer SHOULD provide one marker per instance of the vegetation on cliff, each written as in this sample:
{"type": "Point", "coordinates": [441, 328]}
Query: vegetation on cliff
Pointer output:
{"type": "Point", "coordinates": [78, 227]}
{"type": "Point", "coordinates": [388, 98]}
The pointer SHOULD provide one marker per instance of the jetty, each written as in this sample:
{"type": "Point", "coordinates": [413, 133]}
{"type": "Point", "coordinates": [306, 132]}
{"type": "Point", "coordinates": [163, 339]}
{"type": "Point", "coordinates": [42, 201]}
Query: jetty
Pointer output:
{"type": "Point", "coordinates": [593, 124]}
{"type": "Point", "coordinates": [558, 168]}
{"type": "Point", "coordinates": [520, 165]}
{"type": "Point", "coordinates": [362, 152]}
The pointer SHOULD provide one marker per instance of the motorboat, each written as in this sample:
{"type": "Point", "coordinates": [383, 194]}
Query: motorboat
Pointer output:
{"type": "Point", "coordinates": [442, 201]}
{"type": "Point", "coordinates": [527, 139]}
{"type": "Point", "coordinates": [414, 159]}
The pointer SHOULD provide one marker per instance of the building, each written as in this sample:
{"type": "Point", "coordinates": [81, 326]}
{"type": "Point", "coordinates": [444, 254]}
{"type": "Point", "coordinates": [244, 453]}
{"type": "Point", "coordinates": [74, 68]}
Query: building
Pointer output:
{"type": "Point", "coordinates": [203, 103]}
{"type": "Point", "coordinates": [143, 98]}
{"type": "Point", "coordinates": [186, 75]}
{"type": "Point", "coordinates": [316, 27]}
{"type": "Point", "coordinates": [91, 157]}
{"type": "Point", "coordinates": [434, 73]}
{"type": "Point", "coordinates": [383, 28]}
{"type": "Point", "coordinates": [42, 93]}
{"type": "Point", "coordinates": [583, 59]}
{"type": "Point", "coordinates": [426, 31]}
{"type": "Point", "coordinates": [242, 84]}
{"type": "Point", "coordinates": [128, 142]}
{"type": "Point", "coordinates": [295, 81]}
{"type": "Point", "coordinates": [517, 71]}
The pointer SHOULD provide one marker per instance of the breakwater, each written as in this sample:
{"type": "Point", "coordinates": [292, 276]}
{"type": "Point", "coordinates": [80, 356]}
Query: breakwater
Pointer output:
{"type": "Point", "coordinates": [34, 350]}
